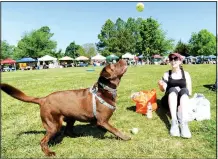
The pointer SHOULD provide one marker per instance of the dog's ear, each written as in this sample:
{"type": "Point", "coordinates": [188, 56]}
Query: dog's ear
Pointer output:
{"type": "Point", "coordinates": [108, 71]}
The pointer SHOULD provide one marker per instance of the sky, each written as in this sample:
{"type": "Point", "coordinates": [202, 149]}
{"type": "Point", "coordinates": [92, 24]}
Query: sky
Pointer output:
{"type": "Point", "coordinates": [82, 21]}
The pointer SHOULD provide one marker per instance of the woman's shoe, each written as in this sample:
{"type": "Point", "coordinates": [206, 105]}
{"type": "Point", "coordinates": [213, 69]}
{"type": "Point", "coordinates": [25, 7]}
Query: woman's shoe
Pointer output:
{"type": "Point", "coordinates": [174, 130]}
{"type": "Point", "coordinates": [185, 132]}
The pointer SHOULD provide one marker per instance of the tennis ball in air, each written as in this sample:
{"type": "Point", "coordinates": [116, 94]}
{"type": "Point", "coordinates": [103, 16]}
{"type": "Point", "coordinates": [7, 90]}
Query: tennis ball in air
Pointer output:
{"type": "Point", "coordinates": [140, 7]}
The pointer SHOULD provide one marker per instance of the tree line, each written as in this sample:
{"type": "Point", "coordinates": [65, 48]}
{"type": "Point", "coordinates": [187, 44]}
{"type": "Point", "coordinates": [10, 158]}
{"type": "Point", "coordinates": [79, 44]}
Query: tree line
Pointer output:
{"type": "Point", "coordinates": [137, 36]}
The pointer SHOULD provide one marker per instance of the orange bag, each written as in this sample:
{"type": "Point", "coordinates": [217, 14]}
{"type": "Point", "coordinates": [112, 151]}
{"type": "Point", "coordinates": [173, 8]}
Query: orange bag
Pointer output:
{"type": "Point", "coordinates": [142, 98]}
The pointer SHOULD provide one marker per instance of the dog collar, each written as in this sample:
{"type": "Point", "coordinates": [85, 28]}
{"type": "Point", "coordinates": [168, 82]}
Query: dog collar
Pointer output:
{"type": "Point", "coordinates": [113, 91]}
{"type": "Point", "coordinates": [94, 91]}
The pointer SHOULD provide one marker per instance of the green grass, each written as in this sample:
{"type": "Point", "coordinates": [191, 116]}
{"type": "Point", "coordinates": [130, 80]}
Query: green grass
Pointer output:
{"type": "Point", "coordinates": [22, 128]}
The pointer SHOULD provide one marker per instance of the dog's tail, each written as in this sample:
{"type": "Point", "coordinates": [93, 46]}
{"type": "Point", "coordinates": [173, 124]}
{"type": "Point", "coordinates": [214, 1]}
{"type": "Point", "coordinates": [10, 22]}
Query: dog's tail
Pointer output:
{"type": "Point", "coordinates": [16, 93]}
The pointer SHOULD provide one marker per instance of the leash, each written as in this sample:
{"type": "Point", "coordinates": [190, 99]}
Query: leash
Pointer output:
{"type": "Point", "coordinates": [94, 91]}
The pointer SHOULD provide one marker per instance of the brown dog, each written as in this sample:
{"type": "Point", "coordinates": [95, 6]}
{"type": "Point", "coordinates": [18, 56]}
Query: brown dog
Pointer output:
{"type": "Point", "coordinates": [95, 105]}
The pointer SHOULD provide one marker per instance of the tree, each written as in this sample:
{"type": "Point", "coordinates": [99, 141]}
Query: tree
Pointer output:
{"type": "Point", "coordinates": [182, 48]}
{"type": "Point", "coordinates": [106, 38]}
{"type": "Point", "coordinates": [115, 38]}
{"type": "Point", "coordinates": [153, 38]}
{"type": "Point", "coordinates": [72, 50]}
{"type": "Point", "coordinates": [133, 26]}
{"type": "Point", "coordinates": [90, 50]}
{"type": "Point", "coordinates": [57, 54]}
{"type": "Point", "coordinates": [202, 43]}
{"type": "Point", "coordinates": [35, 44]}
{"type": "Point", "coordinates": [136, 36]}
{"type": "Point", "coordinates": [6, 50]}
{"type": "Point", "coordinates": [81, 51]}
{"type": "Point", "coordinates": [123, 41]}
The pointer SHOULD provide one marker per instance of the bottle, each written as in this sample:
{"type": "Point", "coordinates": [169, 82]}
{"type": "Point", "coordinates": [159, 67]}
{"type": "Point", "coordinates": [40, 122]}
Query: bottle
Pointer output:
{"type": "Point", "coordinates": [149, 110]}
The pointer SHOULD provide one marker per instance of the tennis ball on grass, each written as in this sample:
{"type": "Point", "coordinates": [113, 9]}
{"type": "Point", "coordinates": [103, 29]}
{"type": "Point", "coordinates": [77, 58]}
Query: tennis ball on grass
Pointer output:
{"type": "Point", "coordinates": [135, 130]}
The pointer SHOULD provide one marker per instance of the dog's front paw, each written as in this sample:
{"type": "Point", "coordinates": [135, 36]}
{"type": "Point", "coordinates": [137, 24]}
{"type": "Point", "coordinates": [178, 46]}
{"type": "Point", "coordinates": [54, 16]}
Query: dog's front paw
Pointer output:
{"type": "Point", "coordinates": [51, 154]}
{"type": "Point", "coordinates": [126, 138]}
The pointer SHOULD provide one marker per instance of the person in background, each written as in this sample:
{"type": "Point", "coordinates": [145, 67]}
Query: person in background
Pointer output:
{"type": "Point", "coordinates": [177, 85]}
{"type": "Point", "coordinates": [10, 67]}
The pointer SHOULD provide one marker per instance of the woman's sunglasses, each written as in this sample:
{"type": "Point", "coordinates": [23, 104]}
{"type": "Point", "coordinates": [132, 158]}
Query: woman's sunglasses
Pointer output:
{"type": "Point", "coordinates": [173, 58]}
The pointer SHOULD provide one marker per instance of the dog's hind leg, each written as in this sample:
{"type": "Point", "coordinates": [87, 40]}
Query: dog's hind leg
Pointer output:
{"type": "Point", "coordinates": [52, 126]}
{"type": "Point", "coordinates": [44, 144]}
{"type": "Point", "coordinates": [113, 130]}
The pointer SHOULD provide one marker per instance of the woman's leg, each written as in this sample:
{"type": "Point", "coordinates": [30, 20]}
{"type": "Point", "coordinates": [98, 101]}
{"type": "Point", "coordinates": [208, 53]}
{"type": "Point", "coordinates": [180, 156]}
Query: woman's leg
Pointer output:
{"type": "Point", "coordinates": [172, 102]}
{"type": "Point", "coordinates": [184, 104]}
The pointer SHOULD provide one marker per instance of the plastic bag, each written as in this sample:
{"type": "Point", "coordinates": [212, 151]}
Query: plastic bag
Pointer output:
{"type": "Point", "coordinates": [142, 99]}
{"type": "Point", "coordinates": [199, 108]}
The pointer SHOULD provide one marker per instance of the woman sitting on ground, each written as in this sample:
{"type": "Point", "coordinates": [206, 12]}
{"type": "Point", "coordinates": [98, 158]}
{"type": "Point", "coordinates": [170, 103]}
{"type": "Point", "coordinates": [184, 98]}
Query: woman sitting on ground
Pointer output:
{"type": "Point", "coordinates": [177, 86]}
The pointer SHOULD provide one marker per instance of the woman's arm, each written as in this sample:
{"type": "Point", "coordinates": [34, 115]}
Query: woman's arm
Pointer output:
{"type": "Point", "coordinates": [163, 83]}
{"type": "Point", "coordinates": [188, 82]}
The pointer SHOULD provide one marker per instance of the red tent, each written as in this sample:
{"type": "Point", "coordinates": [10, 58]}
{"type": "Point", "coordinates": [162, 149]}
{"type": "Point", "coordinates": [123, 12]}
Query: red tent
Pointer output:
{"type": "Point", "coordinates": [8, 61]}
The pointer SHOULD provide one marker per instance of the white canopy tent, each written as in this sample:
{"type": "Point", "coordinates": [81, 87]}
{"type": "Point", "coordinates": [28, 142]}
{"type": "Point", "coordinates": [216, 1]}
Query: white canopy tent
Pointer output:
{"type": "Point", "coordinates": [128, 55]}
{"type": "Point", "coordinates": [99, 57]}
{"type": "Point", "coordinates": [66, 58]}
{"type": "Point", "coordinates": [47, 58]}
{"type": "Point", "coordinates": [82, 58]}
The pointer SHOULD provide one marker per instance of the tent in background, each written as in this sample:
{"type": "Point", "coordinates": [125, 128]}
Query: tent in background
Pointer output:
{"type": "Point", "coordinates": [112, 57]}
{"type": "Point", "coordinates": [212, 56]}
{"type": "Point", "coordinates": [47, 58]}
{"type": "Point", "coordinates": [66, 58]}
{"type": "Point", "coordinates": [99, 57]}
{"type": "Point", "coordinates": [9, 61]}
{"type": "Point", "coordinates": [26, 59]}
{"type": "Point", "coordinates": [128, 56]}
{"type": "Point", "coordinates": [141, 56]}
{"type": "Point", "coordinates": [82, 58]}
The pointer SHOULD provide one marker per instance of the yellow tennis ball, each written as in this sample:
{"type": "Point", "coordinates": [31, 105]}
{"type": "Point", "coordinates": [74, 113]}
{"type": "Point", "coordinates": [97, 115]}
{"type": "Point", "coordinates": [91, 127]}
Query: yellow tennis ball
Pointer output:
{"type": "Point", "coordinates": [140, 7]}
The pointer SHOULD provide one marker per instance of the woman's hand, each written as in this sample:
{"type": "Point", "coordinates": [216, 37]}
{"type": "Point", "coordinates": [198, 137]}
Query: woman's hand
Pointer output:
{"type": "Point", "coordinates": [161, 85]}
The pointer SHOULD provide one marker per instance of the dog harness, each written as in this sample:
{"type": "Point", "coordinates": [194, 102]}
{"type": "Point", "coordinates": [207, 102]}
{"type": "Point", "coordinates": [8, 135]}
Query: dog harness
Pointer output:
{"type": "Point", "coordinates": [113, 91]}
{"type": "Point", "coordinates": [94, 91]}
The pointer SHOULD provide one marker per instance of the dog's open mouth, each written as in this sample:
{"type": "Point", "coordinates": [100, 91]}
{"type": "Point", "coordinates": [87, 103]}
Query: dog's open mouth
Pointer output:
{"type": "Point", "coordinates": [124, 69]}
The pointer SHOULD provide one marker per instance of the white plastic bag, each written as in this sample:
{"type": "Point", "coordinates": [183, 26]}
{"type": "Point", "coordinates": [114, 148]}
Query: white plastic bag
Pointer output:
{"type": "Point", "coordinates": [199, 108]}
{"type": "Point", "coordinates": [202, 109]}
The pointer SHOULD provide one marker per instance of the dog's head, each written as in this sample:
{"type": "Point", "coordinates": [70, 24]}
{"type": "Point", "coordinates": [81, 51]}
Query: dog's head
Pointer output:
{"type": "Point", "coordinates": [113, 73]}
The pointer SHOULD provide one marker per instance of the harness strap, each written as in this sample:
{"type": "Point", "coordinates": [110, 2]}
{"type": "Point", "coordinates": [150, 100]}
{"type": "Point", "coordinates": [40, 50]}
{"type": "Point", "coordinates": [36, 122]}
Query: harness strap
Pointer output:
{"type": "Point", "coordinates": [107, 88]}
{"type": "Point", "coordinates": [113, 91]}
{"type": "Point", "coordinates": [100, 100]}
{"type": "Point", "coordinates": [94, 105]}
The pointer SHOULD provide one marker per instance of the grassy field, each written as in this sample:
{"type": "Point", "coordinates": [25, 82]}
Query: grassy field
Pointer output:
{"type": "Point", "coordinates": [22, 128]}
